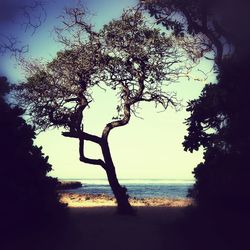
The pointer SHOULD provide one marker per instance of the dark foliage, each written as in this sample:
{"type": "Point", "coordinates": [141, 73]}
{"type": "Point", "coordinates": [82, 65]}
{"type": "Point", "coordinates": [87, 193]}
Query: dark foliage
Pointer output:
{"type": "Point", "coordinates": [69, 185]}
{"type": "Point", "coordinates": [197, 230]}
{"type": "Point", "coordinates": [194, 17]}
{"type": "Point", "coordinates": [218, 25]}
{"type": "Point", "coordinates": [219, 122]}
{"type": "Point", "coordinates": [28, 196]}
{"type": "Point", "coordinates": [219, 118]}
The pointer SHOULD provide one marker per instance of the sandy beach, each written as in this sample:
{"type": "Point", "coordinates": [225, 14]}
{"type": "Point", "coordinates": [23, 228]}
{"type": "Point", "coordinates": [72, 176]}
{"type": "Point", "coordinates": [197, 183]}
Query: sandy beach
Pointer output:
{"type": "Point", "coordinates": [95, 225]}
{"type": "Point", "coordinates": [102, 228]}
{"type": "Point", "coordinates": [101, 200]}
{"type": "Point", "coordinates": [94, 228]}
{"type": "Point", "coordinates": [160, 224]}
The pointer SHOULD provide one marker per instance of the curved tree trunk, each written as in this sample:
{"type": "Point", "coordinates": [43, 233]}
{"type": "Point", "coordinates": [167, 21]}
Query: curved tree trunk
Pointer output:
{"type": "Point", "coordinates": [76, 131]}
{"type": "Point", "coordinates": [120, 192]}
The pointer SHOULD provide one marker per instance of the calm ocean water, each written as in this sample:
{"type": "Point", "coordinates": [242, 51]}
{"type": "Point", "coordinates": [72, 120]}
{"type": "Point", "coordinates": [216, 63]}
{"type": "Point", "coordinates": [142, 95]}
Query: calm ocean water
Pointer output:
{"type": "Point", "coordinates": [139, 188]}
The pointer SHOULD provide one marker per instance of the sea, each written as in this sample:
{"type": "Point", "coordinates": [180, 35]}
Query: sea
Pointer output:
{"type": "Point", "coordinates": [138, 188]}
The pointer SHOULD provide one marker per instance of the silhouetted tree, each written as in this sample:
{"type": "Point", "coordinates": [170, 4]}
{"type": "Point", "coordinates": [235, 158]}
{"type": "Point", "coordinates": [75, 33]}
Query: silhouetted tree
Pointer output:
{"type": "Point", "coordinates": [218, 118]}
{"type": "Point", "coordinates": [219, 122]}
{"type": "Point", "coordinates": [128, 55]}
{"type": "Point", "coordinates": [219, 27]}
{"type": "Point", "coordinates": [189, 17]}
{"type": "Point", "coordinates": [28, 196]}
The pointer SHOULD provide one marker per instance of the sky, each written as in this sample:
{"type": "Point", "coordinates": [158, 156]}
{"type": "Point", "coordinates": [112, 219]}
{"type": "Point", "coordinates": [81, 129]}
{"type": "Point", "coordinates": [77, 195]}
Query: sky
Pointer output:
{"type": "Point", "coordinates": [146, 148]}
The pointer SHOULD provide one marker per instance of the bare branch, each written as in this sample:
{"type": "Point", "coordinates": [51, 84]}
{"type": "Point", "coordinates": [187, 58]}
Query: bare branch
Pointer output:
{"type": "Point", "coordinates": [87, 160]}
{"type": "Point", "coordinates": [83, 135]}
{"type": "Point", "coordinates": [33, 15]}
{"type": "Point", "coordinates": [75, 27]}
{"type": "Point", "coordinates": [11, 44]}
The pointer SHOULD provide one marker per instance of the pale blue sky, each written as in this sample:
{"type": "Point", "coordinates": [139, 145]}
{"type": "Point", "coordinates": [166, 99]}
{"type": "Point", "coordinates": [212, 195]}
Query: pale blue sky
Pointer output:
{"type": "Point", "coordinates": [148, 148]}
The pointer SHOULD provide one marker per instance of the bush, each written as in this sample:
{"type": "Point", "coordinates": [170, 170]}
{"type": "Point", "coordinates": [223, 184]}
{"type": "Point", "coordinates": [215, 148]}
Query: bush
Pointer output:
{"type": "Point", "coordinates": [28, 196]}
{"type": "Point", "coordinates": [219, 122]}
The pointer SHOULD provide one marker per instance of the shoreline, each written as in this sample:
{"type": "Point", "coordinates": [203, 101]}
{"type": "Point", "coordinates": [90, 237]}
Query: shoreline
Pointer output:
{"type": "Point", "coordinates": [102, 200]}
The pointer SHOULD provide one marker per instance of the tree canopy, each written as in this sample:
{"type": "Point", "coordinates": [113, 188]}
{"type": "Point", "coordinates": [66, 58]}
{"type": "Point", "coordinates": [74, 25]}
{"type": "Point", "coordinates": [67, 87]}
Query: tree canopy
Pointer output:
{"type": "Point", "coordinates": [219, 117]}
{"type": "Point", "coordinates": [219, 27]}
{"type": "Point", "coordinates": [219, 122]}
{"type": "Point", "coordinates": [128, 55]}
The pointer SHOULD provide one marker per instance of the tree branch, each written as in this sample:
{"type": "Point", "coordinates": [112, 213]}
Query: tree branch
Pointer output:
{"type": "Point", "coordinates": [126, 117]}
{"type": "Point", "coordinates": [88, 160]}
{"type": "Point", "coordinates": [83, 135]}
{"type": "Point", "coordinates": [207, 32]}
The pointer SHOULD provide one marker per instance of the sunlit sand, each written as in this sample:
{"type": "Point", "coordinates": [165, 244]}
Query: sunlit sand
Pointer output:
{"type": "Point", "coordinates": [90, 200]}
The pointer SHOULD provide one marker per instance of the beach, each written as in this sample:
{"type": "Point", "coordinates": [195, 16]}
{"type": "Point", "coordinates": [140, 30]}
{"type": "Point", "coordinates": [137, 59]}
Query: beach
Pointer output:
{"type": "Point", "coordinates": [94, 228]}
{"type": "Point", "coordinates": [93, 224]}
{"type": "Point", "coordinates": [102, 200]}
{"type": "Point", "coordinates": [102, 228]}
{"type": "Point", "coordinates": [97, 226]}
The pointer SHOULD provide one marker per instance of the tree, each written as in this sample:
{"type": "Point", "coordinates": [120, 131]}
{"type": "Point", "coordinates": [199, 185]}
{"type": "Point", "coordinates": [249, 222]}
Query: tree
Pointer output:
{"type": "Point", "coordinates": [192, 17]}
{"type": "Point", "coordinates": [218, 117]}
{"type": "Point", "coordinates": [219, 28]}
{"type": "Point", "coordinates": [29, 197]}
{"type": "Point", "coordinates": [219, 122]}
{"type": "Point", "coordinates": [127, 55]}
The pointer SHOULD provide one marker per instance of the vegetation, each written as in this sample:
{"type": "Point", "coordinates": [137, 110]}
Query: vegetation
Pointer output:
{"type": "Point", "coordinates": [219, 117]}
{"type": "Point", "coordinates": [219, 122]}
{"type": "Point", "coordinates": [138, 62]}
{"type": "Point", "coordinates": [64, 185]}
{"type": "Point", "coordinates": [29, 198]}
{"type": "Point", "coordinates": [194, 17]}
{"type": "Point", "coordinates": [129, 56]}
{"type": "Point", "coordinates": [30, 15]}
